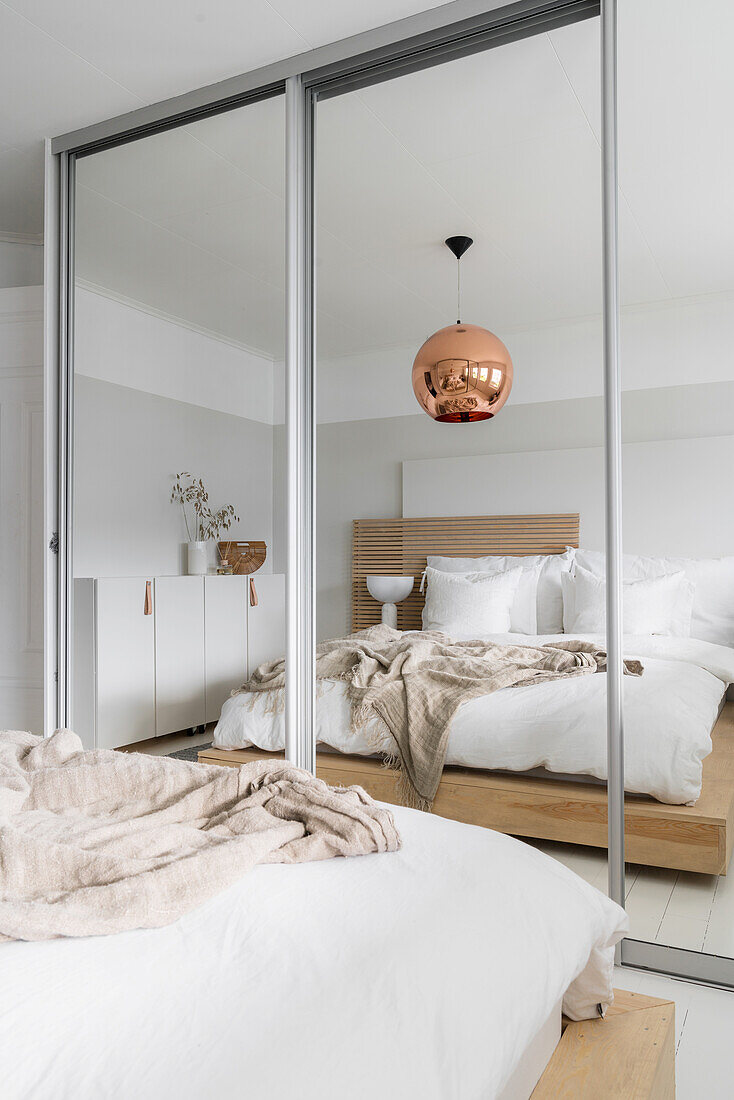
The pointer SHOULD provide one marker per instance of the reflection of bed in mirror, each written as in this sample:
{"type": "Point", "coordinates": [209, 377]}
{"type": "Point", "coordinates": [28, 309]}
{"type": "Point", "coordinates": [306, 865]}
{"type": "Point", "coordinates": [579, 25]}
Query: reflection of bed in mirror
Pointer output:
{"type": "Point", "coordinates": [532, 760]}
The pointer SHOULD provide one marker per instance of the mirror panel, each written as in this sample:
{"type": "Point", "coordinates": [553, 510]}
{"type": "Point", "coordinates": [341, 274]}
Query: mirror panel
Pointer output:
{"type": "Point", "coordinates": [676, 86]}
{"type": "Point", "coordinates": [498, 148]}
{"type": "Point", "coordinates": [179, 555]}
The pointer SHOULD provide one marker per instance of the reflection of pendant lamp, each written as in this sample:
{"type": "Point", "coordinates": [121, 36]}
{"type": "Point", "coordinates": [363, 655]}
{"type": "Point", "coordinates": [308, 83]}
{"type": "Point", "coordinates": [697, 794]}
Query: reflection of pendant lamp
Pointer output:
{"type": "Point", "coordinates": [462, 372]}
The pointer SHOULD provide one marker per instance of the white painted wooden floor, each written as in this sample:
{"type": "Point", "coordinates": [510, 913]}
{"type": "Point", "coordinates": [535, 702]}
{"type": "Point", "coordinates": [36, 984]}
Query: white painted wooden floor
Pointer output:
{"type": "Point", "coordinates": [677, 908]}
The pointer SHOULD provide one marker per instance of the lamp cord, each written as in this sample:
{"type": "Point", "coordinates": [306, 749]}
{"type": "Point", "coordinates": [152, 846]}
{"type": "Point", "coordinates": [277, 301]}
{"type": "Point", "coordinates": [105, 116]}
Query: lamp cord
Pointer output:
{"type": "Point", "coordinates": [458, 290]}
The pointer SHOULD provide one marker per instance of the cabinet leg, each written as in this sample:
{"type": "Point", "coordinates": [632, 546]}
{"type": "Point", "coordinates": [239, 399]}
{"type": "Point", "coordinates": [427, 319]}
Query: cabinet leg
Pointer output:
{"type": "Point", "coordinates": [192, 731]}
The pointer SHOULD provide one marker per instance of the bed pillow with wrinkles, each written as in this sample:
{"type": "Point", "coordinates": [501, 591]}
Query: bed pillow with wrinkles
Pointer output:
{"type": "Point", "coordinates": [712, 618]}
{"type": "Point", "coordinates": [538, 607]}
{"type": "Point", "coordinates": [657, 605]}
{"type": "Point", "coordinates": [469, 605]}
{"type": "Point", "coordinates": [523, 613]}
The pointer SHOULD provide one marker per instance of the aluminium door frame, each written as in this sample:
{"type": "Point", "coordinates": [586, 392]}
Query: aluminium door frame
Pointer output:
{"type": "Point", "coordinates": [300, 420]}
{"type": "Point", "coordinates": [422, 40]}
{"type": "Point", "coordinates": [612, 454]}
{"type": "Point", "coordinates": [52, 459]}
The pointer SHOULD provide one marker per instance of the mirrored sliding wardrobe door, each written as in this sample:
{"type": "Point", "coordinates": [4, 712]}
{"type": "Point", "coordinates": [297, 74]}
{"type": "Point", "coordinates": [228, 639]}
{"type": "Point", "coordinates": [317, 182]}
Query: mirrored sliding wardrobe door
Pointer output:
{"type": "Point", "coordinates": [676, 164]}
{"type": "Point", "coordinates": [178, 584]}
{"type": "Point", "coordinates": [460, 427]}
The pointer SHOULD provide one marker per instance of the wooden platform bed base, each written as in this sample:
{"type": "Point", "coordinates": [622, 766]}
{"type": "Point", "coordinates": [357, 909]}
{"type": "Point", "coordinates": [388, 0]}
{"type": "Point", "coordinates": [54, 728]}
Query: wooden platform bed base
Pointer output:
{"type": "Point", "coordinates": [629, 1055]}
{"type": "Point", "coordinates": [684, 838]}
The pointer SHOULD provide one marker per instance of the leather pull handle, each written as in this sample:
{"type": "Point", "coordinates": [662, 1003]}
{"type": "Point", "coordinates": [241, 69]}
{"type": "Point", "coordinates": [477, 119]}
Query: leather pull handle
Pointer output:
{"type": "Point", "coordinates": [253, 594]}
{"type": "Point", "coordinates": [148, 605]}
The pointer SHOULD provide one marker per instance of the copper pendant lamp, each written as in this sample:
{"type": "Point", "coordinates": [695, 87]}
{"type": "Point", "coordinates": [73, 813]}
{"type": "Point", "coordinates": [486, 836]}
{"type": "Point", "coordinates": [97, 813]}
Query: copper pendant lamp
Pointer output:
{"type": "Point", "coordinates": [463, 372]}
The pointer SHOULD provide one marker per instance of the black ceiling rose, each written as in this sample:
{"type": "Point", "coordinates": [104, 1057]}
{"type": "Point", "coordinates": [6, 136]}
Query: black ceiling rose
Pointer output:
{"type": "Point", "coordinates": [459, 245]}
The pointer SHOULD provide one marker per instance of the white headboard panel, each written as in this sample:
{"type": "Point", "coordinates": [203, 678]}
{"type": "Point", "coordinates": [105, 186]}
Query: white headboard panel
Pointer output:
{"type": "Point", "coordinates": [678, 494]}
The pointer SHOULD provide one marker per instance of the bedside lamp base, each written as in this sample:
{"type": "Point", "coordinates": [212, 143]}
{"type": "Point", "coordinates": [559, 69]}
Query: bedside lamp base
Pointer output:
{"type": "Point", "coordinates": [390, 615]}
{"type": "Point", "coordinates": [389, 591]}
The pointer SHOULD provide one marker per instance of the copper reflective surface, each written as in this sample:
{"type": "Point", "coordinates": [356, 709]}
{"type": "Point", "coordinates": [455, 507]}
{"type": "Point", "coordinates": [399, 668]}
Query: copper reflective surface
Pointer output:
{"type": "Point", "coordinates": [462, 373]}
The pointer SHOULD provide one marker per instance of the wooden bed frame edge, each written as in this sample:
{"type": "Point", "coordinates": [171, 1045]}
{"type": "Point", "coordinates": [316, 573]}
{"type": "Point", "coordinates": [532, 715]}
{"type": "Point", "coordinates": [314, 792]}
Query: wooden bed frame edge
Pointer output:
{"type": "Point", "coordinates": [685, 838]}
{"type": "Point", "coordinates": [629, 1054]}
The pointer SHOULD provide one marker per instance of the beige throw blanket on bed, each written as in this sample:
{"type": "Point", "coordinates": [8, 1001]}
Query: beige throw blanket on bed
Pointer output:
{"type": "Point", "coordinates": [98, 842]}
{"type": "Point", "coordinates": [416, 681]}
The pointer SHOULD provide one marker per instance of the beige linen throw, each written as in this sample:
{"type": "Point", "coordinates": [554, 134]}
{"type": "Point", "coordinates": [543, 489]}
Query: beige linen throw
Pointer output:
{"type": "Point", "coordinates": [415, 681]}
{"type": "Point", "coordinates": [99, 842]}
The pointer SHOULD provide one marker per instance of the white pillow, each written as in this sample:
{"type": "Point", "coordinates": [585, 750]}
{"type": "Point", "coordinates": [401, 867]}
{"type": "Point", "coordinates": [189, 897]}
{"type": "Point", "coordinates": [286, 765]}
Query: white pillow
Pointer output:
{"type": "Point", "coordinates": [659, 605]}
{"type": "Point", "coordinates": [543, 584]}
{"type": "Point", "coordinates": [469, 605]}
{"type": "Point", "coordinates": [712, 618]}
{"type": "Point", "coordinates": [523, 613]}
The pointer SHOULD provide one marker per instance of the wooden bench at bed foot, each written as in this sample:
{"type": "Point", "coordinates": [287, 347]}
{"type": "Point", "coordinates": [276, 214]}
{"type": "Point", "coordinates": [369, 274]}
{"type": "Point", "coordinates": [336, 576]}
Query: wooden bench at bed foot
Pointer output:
{"type": "Point", "coordinates": [629, 1055]}
{"type": "Point", "coordinates": [683, 838]}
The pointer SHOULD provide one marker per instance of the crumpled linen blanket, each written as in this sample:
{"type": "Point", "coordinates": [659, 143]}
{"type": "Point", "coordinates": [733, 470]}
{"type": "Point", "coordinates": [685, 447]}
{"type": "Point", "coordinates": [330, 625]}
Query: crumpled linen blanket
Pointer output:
{"type": "Point", "coordinates": [99, 842]}
{"type": "Point", "coordinates": [415, 681]}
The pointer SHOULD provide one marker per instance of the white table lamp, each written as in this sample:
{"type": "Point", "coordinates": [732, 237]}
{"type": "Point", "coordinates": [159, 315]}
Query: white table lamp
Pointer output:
{"type": "Point", "coordinates": [389, 591]}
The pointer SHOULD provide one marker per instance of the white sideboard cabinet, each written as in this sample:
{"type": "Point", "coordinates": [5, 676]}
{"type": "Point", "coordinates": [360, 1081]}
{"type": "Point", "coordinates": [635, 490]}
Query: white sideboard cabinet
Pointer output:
{"type": "Point", "coordinates": [114, 662]}
{"type": "Point", "coordinates": [266, 619]}
{"type": "Point", "coordinates": [153, 655]}
{"type": "Point", "coordinates": [226, 627]}
{"type": "Point", "coordinates": [180, 684]}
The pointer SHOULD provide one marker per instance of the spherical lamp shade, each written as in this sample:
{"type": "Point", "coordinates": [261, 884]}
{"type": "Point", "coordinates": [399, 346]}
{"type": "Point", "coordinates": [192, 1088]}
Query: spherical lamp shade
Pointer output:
{"type": "Point", "coordinates": [462, 373]}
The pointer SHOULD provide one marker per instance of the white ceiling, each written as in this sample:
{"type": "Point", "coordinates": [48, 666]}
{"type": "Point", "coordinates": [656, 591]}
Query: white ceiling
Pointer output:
{"type": "Point", "coordinates": [503, 146]}
{"type": "Point", "coordinates": [67, 64]}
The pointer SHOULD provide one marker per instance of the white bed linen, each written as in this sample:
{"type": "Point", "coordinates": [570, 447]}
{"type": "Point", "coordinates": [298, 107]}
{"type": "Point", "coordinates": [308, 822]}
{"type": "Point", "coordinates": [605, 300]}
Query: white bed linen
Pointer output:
{"type": "Point", "coordinates": [425, 972]}
{"type": "Point", "coordinates": [669, 713]}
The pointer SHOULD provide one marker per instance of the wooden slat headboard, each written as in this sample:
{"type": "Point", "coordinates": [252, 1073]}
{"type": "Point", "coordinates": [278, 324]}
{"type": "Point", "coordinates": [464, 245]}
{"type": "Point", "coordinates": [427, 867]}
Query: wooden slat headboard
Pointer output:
{"type": "Point", "coordinates": [401, 546]}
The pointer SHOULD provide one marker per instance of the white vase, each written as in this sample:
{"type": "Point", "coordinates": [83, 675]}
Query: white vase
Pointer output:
{"type": "Point", "coordinates": [197, 558]}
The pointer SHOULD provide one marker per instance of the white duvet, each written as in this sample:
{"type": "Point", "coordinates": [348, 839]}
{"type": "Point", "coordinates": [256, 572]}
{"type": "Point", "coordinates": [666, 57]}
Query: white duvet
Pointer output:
{"type": "Point", "coordinates": [425, 972]}
{"type": "Point", "coordinates": [669, 713]}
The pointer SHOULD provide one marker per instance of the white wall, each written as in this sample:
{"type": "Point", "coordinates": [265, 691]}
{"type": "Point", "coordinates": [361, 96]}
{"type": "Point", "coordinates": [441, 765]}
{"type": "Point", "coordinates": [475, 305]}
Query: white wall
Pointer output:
{"type": "Point", "coordinates": [21, 524]}
{"type": "Point", "coordinates": [369, 423]}
{"type": "Point", "coordinates": [675, 492]}
{"type": "Point", "coordinates": [128, 446]}
{"type": "Point", "coordinates": [21, 261]}
{"type": "Point", "coordinates": [120, 342]}
{"type": "Point", "coordinates": [152, 398]}
{"type": "Point", "coordinates": [663, 344]}
{"type": "Point", "coordinates": [360, 472]}
{"type": "Point", "coordinates": [678, 381]}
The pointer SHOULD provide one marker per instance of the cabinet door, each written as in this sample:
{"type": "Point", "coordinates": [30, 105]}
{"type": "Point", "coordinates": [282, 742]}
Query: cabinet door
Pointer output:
{"type": "Point", "coordinates": [179, 653]}
{"type": "Point", "coordinates": [125, 663]}
{"type": "Point", "coordinates": [225, 632]}
{"type": "Point", "coordinates": [266, 619]}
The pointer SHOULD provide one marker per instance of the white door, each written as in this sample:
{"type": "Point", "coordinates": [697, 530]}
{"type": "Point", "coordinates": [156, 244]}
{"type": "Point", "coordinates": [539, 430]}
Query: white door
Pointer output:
{"type": "Point", "coordinates": [266, 619]}
{"type": "Point", "coordinates": [179, 653]}
{"type": "Point", "coordinates": [125, 662]}
{"type": "Point", "coordinates": [225, 633]}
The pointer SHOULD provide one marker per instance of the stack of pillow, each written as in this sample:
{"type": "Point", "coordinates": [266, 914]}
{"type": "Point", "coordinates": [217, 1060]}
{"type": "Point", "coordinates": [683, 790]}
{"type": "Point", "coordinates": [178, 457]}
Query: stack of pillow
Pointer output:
{"type": "Point", "coordinates": [469, 597]}
{"type": "Point", "coordinates": [696, 600]}
{"type": "Point", "coordinates": [555, 593]}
